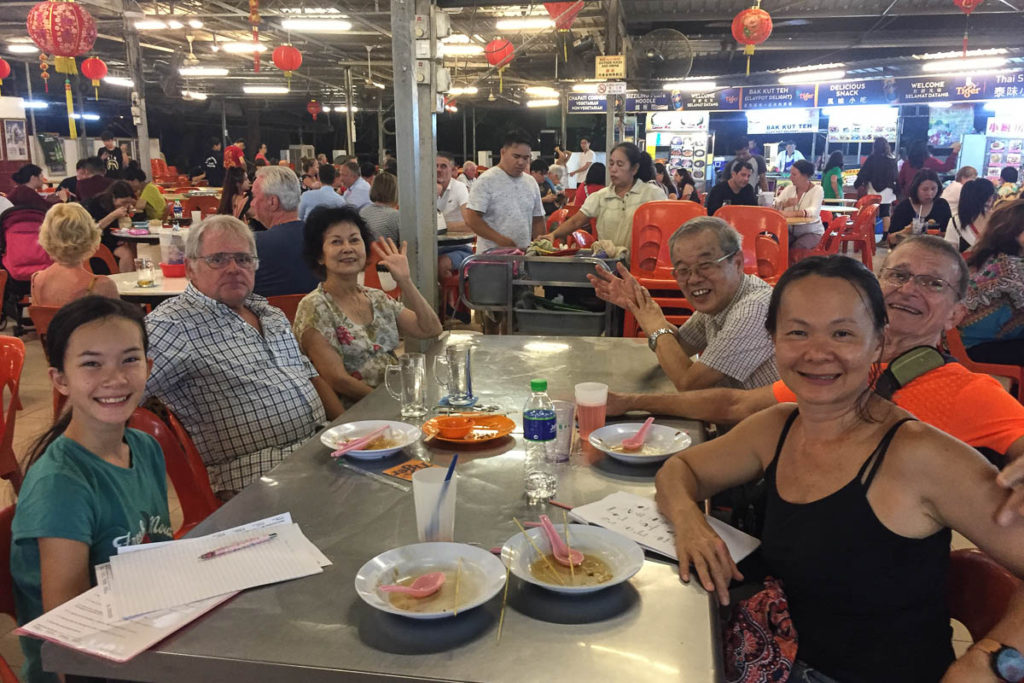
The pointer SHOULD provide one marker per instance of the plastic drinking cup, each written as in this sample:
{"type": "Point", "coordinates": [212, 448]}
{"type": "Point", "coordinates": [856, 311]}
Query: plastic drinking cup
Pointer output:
{"type": "Point", "coordinates": [563, 438]}
{"type": "Point", "coordinates": [435, 504]}
{"type": "Point", "coordinates": [591, 403]}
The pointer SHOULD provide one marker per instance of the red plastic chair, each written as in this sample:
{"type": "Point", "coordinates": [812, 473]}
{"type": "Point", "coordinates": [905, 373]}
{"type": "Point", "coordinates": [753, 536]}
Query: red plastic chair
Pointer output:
{"type": "Point", "coordinates": [103, 253]}
{"type": "Point", "coordinates": [288, 303]}
{"type": "Point", "coordinates": [371, 278]}
{"type": "Point", "coordinates": [651, 262]}
{"type": "Point", "coordinates": [557, 218]}
{"type": "Point", "coordinates": [184, 467]}
{"type": "Point", "coordinates": [868, 200]}
{"type": "Point", "coordinates": [979, 590]}
{"type": "Point", "coordinates": [12, 360]}
{"type": "Point", "coordinates": [862, 234]}
{"type": "Point", "coordinates": [755, 223]}
{"type": "Point", "coordinates": [41, 317]}
{"type": "Point", "coordinates": [826, 217]}
{"type": "Point", "coordinates": [206, 204]}
{"type": "Point", "coordinates": [959, 351]}
{"type": "Point", "coordinates": [7, 675]}
{"type": "Point", "coordinates": [828, 245]}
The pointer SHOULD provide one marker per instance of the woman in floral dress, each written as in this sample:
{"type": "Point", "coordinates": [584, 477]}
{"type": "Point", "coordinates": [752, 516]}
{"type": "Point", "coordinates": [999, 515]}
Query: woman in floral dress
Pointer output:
{"type": "Point", "coordinates": [348, 331]}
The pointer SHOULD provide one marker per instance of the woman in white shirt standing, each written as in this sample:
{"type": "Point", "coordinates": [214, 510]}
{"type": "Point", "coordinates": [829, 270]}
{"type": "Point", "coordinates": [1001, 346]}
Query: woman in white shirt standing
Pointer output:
{"type": "Point", "coordinates": [802, 199]}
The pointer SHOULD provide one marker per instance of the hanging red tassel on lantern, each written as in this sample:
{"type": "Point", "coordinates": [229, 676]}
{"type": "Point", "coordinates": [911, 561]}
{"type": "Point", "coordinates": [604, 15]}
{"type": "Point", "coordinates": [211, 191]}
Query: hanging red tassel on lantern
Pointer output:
{"type": "Point", "coordinates": [314, 108]}
{"type": "Point", "coordinates": [254, 19]}
{"type": "Point", "coordinates": [94, 69]}
{"type": "Point", "coordinates": [5, 70]}
{"type": "Point", "coordinates": [288, 59]}
{"type": "Point", "coordinates": [44, 72]}
{"type": "Point", "coordinates": [499, 53]}
{"type": "Point", "coordinates": [751, 27]}
{"type": "Point", "coordinates": [966, 6]}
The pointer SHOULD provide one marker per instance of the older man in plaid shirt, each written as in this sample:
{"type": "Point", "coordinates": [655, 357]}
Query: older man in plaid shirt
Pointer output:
{"type": "Point", "coordinates": [227, 364]}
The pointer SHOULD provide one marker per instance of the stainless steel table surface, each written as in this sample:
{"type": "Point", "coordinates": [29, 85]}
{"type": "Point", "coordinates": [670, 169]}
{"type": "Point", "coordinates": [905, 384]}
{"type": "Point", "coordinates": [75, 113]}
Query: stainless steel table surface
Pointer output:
{"type": "Point", "coordinates": [651, 628]}
{"type": "Point", "coordinates": [163, 287]}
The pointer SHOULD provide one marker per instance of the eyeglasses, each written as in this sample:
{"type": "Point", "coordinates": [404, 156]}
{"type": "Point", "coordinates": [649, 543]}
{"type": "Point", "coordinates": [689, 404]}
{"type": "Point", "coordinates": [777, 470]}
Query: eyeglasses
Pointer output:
{"type": "Point", "coordinates": [928, 283]}
{"type": "Point", "coordinates": [704, 268]}
{"type": "Point", "coordinates": [222, 259]}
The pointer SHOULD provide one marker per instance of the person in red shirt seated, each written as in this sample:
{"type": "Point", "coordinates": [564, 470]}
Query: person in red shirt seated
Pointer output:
{"type": "Point", "coordinates": [30, 180]}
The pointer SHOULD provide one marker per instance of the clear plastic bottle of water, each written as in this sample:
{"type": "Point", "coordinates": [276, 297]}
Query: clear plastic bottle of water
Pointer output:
{"type": "Point", "coordinates": [540, 427]}
{"type": "Point", "coordinates": [179, 212]}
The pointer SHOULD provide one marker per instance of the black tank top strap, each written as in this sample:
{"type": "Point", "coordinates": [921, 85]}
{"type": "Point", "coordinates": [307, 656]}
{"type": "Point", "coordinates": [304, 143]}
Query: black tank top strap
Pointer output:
{"type": "Point", "coordinates": [783, 434]}
{"type": "Point", "coordinates": [874, 461]}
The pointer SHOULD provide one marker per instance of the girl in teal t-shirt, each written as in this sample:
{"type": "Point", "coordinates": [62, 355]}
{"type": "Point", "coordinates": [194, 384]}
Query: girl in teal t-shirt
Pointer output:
{"type": "Point", "coordinates": [832, 178]}
{"type": "Point", "coordinates": [92, 485]}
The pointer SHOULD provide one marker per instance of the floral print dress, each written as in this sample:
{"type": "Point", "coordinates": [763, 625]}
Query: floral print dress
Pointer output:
{"type": "Point", "coordinates": [367, 350]}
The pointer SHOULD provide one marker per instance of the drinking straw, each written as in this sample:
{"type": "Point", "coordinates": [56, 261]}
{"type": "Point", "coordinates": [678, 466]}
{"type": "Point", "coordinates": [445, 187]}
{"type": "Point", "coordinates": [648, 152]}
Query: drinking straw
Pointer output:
{"type": "Point", "coordinates": [458, 575]}
{"type": "Point", "coordinates": [435, 519]}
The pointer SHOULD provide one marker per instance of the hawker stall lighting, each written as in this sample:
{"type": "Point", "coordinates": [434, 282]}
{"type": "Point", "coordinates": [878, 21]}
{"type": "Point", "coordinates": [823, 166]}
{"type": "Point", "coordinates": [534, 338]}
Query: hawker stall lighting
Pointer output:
{"type": "Point", "coordinates": [971, 64]}
{"type": "Point", "coordinates": [119, 81]}
{"type": "Point", "coordinates": [264, 90]}
{"type": "Point", "coordinates": [584, 87]}
{"type": "Point", "coordinates": [150, 24]}
{"type": "Point", "coordinates": [203, 71]}
{"type": "Point", "coordinates": [243, 48]}
{"type": "Point", "coordinates": [467, 90]}
{"type": "Point", "coordinates": [195, 23]}
{"type": "Point", "coordinates": [816, 67]}
{"type": "Point", "coordinates": [458, 50]}
{"type": "Point", "coordinates": [460, 38]}
{"type": "Point", "coordinates": [691, 86]}
{"type": "Point", "coordinates": [812, 77]}
{"type": "Point", "coordinates": [192, 95]}
{"type": "Point", "coordinates": [542, 103]}
{"type": "Point", "coordinates": [175, 24]}
{"type": "Point", "coordinates": [541, 91]}
{"type": "Point", "coordinates": [317, 25]}
{"type": "Point", "coordinates": [35, 104]}
{"type": "Point", "coordinates": [525, 24]}
{"type": "Point", "coordinates": [22, 49]}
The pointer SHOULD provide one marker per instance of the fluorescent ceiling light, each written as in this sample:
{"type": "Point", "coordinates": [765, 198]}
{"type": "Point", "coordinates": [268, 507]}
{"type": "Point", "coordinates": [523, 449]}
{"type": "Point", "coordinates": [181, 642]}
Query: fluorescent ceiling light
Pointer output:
{"type": "Point", "coordinates": [317, 25]}
{"type": "Point", "coordinates": [458, 50]}
{"type": "Point", "coordinates": [378, 85]}
{"type": "Point", "coordinates": [812, 77]}
{"type": "Point", "coordinates": [175, 24]}
{"type": "Point", "coordinates": [195, 23]}
{"type": "Point", "coordinates": [451, 108]}
{"type": "Point", "coordinates": [961, 65]}
{"type": "Point", "coordinates": [22, 49]}
{"type": "Point", "coordinates": [314, 11]}
{"type": "Point", "coordinates": [584, 87]}
{"type": "Point", "coordinates": [940, 105]}
{"type": "Point", "coordinates": [864, 111]}
{"type": "Point", "coordinates": [325, 110]}
{"type": "Point", "coordinates": [340, 109]}
{"type": "Point", "coordinates": [959, 54]}
{"type": "Point", "coordinates": [265, 90]}
{"type": "Point", "coordinates": [460, 38]}
{"type": "Point", "coordinates": [87, 117]}
{"type": "Point", "coordinates": [525, 24]}
{"type": "Point", "coordinates": [691, 86]}
{"type": "Point", "coordinates": [203, 71]}
{"type": "Point", "coordinates": [150, 24]}
{"type": "Point", "coordinates": [35, 104]}
{"type": "Point", "coordinates": [542, 103]}
{"type": "Point", "coordinates": [193, 95]}
{"type": "Point", "coordinates": [243, 48]}
{"type": "Point", "coordinates": [541, 91]}
{"type": "Point", "coordinates": [119, 80]}
{"type": "Point", "coordinates": [467, 90]}
{"type": "Point", "coordinates": [816, 67]}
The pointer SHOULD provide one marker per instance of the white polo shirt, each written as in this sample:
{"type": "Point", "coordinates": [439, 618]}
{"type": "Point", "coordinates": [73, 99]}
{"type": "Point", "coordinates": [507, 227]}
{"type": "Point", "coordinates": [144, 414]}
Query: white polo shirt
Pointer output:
{"type": "Point", "coordinates": [452, 200]}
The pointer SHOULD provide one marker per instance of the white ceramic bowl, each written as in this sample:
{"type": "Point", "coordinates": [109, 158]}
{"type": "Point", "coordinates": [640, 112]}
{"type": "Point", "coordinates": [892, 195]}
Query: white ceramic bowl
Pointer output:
{"type": "Point", "coordinates": [335, 437]}
{"type": "Point", "coordinates": [660, 443]}
{"type": "Point", "coordinates": [481, 578]}
{"type": "Point", "coordinates": [623, 556]}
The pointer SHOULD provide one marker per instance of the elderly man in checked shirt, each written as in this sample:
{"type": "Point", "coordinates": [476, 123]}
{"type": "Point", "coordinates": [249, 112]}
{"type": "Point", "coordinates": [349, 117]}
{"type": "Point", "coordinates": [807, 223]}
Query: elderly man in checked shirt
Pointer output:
{"type": "Point", "coordinates": [227, 364]}
{"type": "Point", "coordinates": [727, 328]}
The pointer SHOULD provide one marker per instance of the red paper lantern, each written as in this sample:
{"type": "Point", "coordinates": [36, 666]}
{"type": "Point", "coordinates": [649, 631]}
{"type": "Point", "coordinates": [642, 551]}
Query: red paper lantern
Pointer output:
{"type": "Point", "coordinates": [499, 53]}
{"type": "Point", "coordinates": [563, 13]}
{"type": "Point", "coordinates": [287, 59]}
{"type": "Point", "coordinates": [63, 29]}
{"type": "Point", "coordinates": [94, 69]}
{"type": "Point", "coordinates": [751, 27]}
{"type": "Point", "coordinates": [314, 108]}
{"type": "Point", "coordinates": [5, 70]}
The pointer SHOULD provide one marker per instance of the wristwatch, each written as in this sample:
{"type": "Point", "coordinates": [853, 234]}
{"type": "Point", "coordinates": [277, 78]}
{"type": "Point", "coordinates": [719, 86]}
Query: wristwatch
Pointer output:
{"type": "Point", "coordinates": [652, 338]}
{"type": "Point", "coordinates": [1007, 662]}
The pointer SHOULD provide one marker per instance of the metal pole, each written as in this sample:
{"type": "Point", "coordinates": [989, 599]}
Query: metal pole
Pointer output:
{"type": "Point", "coordinates": [135, 66]}
{"type": "Point", "coordinates": [474, 135]}
{"type": "Point", "coordinates": [350, 121]}
{"type": "Point", "coordinates": [31, 112]}
{"type": "Point", "coordinates": [414, 145]}
{"type": "Point", "coordinates": [564, 140]}
{"type": "Point", "coordinates": [224, 123]}
{"type": "Point", "coordinates": [463, 134]}
{"type": "Point", "coordinates": [380, 131]}
{"type": "Point", "coordinates": [612, 48]}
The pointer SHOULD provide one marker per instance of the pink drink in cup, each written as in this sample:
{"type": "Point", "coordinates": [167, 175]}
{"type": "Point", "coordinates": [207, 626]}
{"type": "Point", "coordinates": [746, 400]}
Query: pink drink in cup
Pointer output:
{"type": "Point", "coordinates": [591, 402]}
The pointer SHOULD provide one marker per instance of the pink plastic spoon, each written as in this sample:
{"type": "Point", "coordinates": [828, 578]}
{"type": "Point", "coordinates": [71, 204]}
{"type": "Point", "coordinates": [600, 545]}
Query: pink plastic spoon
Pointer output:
{"type": "Point", "coordinates": [425, 585]}
{"type": "Point", "coordinates": [636, 442]}
{"type": "Point", "coordinates": [558, 547]}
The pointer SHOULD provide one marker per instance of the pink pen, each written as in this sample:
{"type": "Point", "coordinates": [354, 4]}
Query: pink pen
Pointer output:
{"type": "Point", "coordinates": [237, 546]}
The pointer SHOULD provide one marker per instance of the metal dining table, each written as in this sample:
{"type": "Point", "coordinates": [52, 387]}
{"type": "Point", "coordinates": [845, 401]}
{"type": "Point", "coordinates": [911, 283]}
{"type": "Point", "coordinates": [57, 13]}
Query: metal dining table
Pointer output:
{"type": "Point", "coordinates": [163, 287]}
{"type": "Point", "coordinates": [650, 628]}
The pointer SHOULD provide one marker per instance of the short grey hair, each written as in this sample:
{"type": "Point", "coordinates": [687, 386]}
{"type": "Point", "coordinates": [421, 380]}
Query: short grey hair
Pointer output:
{"type": "Point", "coordinates": [559, 171]}
{"type": "Point", "coordinates": [229, 224]}
{"type": "Point", "coordinates": [940, 246]}
{"type": "Point", "coordinates": [729, 240]}
{"type": "Point", "coordinates": [283, 184]}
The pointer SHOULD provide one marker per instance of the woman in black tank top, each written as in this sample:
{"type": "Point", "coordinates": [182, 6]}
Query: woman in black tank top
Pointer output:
{"type": "Point", "coordinates": [860, 496]}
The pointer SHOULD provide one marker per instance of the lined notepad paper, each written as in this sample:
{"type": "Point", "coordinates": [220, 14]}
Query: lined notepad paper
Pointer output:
{"type": "Point", "coordinates": [638, 518]}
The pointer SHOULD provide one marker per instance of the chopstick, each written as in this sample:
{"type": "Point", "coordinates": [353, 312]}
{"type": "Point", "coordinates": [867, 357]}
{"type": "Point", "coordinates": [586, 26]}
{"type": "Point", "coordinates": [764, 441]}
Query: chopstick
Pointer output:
{"type": "Point", "coordinates": [458, 575]}
{"type": "Point", "coordinates": [376, 477]}
{"type": "Point", "coordinates": [542, 555]}
{"type": "Point", "coordinates": [504, 601]}
{"type": "Point", "coordinates": [568, 548]}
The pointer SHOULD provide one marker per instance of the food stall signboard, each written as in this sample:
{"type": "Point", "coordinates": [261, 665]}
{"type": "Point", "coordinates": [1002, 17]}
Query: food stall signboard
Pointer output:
{"type": "Point", "coordinates": [778, 97]}
{"type": "Point", "coordinates": [610, 66]}
{"type": "Point", "coordinates": [719, 100]}
{"type": "Point", "coordinates": [844, 93]}
{"type": "Point", "coordinates": [1004, 127]}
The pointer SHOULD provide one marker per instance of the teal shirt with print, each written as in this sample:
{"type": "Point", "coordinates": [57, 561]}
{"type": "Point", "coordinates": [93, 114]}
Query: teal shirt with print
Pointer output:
{"type": "Point", "coordinates": [72, 493]}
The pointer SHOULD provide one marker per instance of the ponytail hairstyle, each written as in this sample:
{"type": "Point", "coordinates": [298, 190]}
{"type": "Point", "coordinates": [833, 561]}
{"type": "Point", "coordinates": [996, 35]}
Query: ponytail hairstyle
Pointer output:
{"type": "Point", "coordinates": [645, 171]}
{"type": "Point", "coordinates": [68, 319]}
